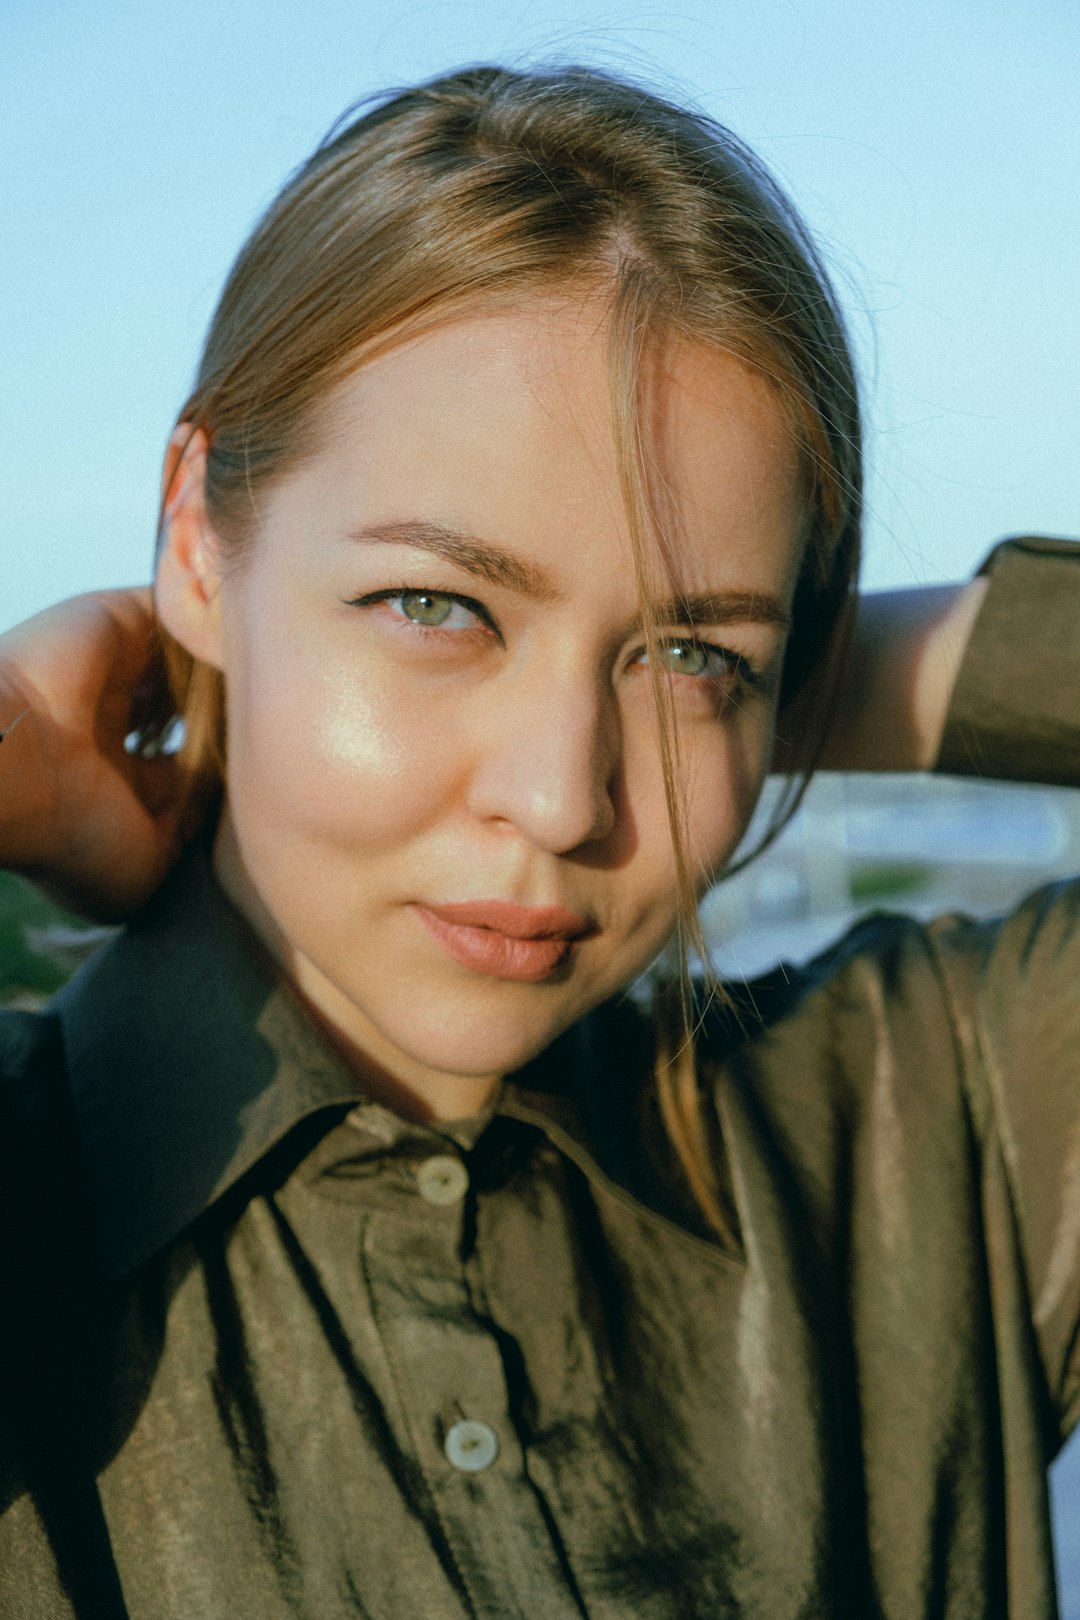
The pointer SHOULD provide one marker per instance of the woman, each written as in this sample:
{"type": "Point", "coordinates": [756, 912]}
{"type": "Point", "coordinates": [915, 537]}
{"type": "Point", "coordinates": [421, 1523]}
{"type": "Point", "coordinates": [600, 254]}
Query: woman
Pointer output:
{"type": "Point", "coordinates": [375, 1252]}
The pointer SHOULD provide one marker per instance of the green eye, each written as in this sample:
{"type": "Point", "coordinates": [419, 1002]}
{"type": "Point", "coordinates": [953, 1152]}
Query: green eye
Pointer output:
{"type": "Point", "coordinates": [424, 607]}
{"type": "Point", "coordinates": [686, 657]}
{"type": "Point", "coordinates": [430, 610]}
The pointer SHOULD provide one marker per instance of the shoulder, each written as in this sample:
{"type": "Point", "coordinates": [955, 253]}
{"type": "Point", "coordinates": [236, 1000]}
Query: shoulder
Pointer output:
{"type": "Point", "coordinates": [941, 1020]}
{"type": "Point", "coordinates": [856, 1054]}
{"type": "Point", "coordinates": [880, 970]}
{"type": "Point", "coordinates": [889, 968]}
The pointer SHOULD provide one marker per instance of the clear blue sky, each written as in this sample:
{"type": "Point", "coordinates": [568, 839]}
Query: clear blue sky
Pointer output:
{"type": "Point", "coordinates": [936, 148]}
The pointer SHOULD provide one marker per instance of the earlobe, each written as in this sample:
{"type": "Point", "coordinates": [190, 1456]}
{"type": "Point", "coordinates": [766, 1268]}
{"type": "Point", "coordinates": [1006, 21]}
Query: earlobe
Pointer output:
{"type": "Point", "coordinates": [187, 585]}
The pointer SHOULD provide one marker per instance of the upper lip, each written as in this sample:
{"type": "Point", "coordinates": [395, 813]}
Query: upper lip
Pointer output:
{"type": "Point", "coordinates": [515, 921]}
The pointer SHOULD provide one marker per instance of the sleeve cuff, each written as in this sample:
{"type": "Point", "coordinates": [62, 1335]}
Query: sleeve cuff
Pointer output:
{"type": "Point", "coordinates": [1015, 711]}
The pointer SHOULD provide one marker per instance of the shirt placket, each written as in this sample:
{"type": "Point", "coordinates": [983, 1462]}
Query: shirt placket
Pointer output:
{"type": "Point", "coordinates": [455, 1381]}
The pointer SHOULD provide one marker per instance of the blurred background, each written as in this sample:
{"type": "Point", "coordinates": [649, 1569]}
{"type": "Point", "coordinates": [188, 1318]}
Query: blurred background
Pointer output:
{"type": "Point", "coordinates": [935, 150]}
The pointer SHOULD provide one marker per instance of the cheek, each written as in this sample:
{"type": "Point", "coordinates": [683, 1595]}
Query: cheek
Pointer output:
{"type": "Point", "coordinates": [330, 747]}
{"type": "Point", "coordinates": [722, 767]}
{"type": "Point", "coordinates": [724, 774]}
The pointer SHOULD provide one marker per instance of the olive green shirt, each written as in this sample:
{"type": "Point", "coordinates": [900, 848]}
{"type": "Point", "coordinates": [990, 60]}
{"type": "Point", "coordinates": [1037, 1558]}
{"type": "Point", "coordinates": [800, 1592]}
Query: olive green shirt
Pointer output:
{"type": "Point", "coordinates": [273, 1352]}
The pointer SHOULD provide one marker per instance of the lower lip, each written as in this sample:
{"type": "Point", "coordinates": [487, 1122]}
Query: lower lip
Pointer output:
{"type": "Point", "coordinates": [485, 950]}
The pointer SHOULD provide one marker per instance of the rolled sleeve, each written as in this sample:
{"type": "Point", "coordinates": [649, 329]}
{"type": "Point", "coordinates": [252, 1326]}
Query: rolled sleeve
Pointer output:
{"type": "Point", "coordinates": [1015, 713]}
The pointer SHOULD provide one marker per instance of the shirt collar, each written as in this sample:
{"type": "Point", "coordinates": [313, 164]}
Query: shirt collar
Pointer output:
{"type": "Point", "coordinates": [190, 1058]}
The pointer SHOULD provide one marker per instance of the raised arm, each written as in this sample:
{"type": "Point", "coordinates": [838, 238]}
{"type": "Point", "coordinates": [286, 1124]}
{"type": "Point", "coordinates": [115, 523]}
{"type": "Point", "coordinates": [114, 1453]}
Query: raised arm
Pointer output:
{"type": "Point", "coordinates": [909, 646]}
{"type": "Point", "coordinates": [980, 680]}
{"type": "Point", "coordinates": [86, 820]}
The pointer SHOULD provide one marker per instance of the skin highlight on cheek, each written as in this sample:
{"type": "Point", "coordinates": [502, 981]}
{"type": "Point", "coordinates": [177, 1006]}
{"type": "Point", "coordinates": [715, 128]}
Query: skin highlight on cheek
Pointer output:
{"type": "Point", "coordinates": [353, 736]}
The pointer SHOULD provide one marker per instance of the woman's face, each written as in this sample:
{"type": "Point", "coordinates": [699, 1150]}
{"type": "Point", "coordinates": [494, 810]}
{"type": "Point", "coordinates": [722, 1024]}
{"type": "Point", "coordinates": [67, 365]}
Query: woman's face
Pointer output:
{"type": "Point", "coordinates": [440, 718]}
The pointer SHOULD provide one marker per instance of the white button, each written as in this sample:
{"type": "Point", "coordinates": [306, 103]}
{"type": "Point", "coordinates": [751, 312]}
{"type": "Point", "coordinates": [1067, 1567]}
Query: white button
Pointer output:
{"type": "Point", "coordinates": [471, 1446]}
{"type": "Point", "coordinates": [442, 1180]}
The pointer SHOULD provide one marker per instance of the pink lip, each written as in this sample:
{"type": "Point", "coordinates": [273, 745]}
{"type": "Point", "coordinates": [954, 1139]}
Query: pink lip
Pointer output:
{"type": "Point", "coordinates": [518, 922]}
{"type": "Point", "coordinates": [504, 940]}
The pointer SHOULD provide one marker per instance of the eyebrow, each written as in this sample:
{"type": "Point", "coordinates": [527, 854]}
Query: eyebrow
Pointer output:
{"type": "Point", "coordinates": [724, 607]}
{"type": "Point", "coordinates": [498, 567]}
{"type": "Point", "coordinates": [475, 556]}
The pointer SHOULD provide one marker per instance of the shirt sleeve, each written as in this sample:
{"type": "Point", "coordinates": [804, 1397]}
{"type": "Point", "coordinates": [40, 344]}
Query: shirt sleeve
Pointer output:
{"type": "Point", "coordinates": [1013, 984]}
{"type": "Point", "coordinates": [1015, 1013]}
{"type": "Point", "coordinates": [1015, 713]}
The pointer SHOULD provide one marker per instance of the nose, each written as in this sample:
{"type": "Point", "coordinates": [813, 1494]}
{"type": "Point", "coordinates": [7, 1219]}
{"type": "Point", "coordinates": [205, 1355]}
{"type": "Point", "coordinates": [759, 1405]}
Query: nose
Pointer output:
{"type": "Point", "coordinates": [547, 761]}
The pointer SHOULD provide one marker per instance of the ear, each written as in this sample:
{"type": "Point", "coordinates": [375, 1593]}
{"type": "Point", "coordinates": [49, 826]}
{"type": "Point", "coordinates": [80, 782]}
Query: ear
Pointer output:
{"type": "Point", "coordinates": [187, 585]}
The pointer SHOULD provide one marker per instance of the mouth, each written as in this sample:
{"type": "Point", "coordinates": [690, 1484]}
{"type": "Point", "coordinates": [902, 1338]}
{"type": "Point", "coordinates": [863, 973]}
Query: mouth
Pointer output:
{"type": "Point", "coordinates": [504, 940]}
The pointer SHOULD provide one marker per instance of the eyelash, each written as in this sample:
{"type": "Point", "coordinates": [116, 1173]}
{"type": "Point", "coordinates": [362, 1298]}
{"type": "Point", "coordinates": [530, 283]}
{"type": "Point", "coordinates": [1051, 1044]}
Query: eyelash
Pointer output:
{"type": "Point", "coordinates": [396, 592]}
{"type": "Point", "coordinates": [740, 672]}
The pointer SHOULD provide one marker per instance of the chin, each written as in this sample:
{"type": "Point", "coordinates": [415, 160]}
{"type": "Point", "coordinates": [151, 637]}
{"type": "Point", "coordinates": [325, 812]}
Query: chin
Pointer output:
{"type": "Point", "coordinates": [475, 1053]}
{"type": "Point", "coordinates": [474, 1044]}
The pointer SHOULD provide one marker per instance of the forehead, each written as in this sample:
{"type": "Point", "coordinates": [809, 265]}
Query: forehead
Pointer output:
{"type": "Point", "coordinates": [502, 423]}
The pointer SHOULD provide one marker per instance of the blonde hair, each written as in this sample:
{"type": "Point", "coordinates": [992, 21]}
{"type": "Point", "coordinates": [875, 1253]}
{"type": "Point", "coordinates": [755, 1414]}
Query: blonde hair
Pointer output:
{"type": "Point", "coordinates": [488, 184]}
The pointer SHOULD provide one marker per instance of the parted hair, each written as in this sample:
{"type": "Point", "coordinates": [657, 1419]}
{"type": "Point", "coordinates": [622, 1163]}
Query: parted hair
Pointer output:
{"type": "Point", "coordinates": [488, 185]}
